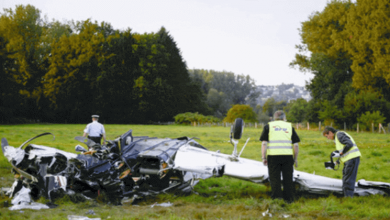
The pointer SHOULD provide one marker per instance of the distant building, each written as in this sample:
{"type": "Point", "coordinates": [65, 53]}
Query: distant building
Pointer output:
{"type": "Point", "coordinates": [283, 92]}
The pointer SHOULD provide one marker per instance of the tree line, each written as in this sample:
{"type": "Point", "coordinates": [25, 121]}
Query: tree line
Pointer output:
{"type": "Point", "coordinates": [64, 72]}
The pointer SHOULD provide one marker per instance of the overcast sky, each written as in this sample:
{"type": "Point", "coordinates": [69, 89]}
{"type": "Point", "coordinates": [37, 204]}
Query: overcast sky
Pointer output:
{"type": "Point", "coordinates": [250, 37]}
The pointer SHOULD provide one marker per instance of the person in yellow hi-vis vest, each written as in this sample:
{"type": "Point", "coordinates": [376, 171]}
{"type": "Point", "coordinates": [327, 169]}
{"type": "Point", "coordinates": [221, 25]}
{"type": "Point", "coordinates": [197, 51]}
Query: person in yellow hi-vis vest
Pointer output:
{"type": "Point", "coordinates": [349, 155]}
{"type": "Point", "coordinates": [280, 152]}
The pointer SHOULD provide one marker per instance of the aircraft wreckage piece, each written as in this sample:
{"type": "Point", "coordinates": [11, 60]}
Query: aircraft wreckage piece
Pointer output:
{"type": "Point", "coordinates": [137, 166]}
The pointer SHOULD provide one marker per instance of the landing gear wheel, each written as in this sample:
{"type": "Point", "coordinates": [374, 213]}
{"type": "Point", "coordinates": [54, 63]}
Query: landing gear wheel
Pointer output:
{"type": "Point", "coordinates": [237, 128]}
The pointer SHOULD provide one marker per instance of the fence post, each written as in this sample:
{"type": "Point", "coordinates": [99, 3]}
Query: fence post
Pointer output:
{"type": "Point", "coordinates": [357, 128]}
{"type": "Point", "coordinates": [381, 127]}
{"type": "Point", "coordinates": [345, 127]}
{"type": "Point", "coordinates": [372, 125]}
{"type": "Point", "coordinates": [319, 126]}
{"type": "Point", "coordinates": [308, 126]}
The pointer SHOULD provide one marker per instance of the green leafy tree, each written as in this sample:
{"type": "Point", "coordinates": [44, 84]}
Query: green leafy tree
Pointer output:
{"type": "Point", "coordinates": [357, 104]}
{"type": "Point", "coordinates": [368, 119]}
{"type": "Point", "coordinates": [287, 108]}
{"type": "Point", "coordinates": [271, 106]}
{"type": "Point", "coordinates": [330, 114]}
{"type": "Point", "coordinates": [260, 115]}
{"type": "Point", "coordinates": [114, 90]}
{"type": "Point", "coordinates": [217, 101]}
{"type": "Point", "coordinates": [236, 89]}
{"type": "Point", "coordinates": [251, 99]}
{"type": "Point", "coordinates": [186, 95]}
{"type": "Point", "coordinates": [312, 110]}
{"type": "Point", "coordinates": [10, 101]}
{"type": "Point", "coordinates": [151, 82]}
{"type": "Point", "coordinates": [324, 35]}
{"type": "Point", "coordinates": [202, 77]}
{"type": "Point", "coordinates": [332, 79]}
{"type": "Point", "coordinates": [240, 111]}
{"type": "Point", "coordinates": [163, 81]}
{"type": "Point", "coordinates": [297, 111]}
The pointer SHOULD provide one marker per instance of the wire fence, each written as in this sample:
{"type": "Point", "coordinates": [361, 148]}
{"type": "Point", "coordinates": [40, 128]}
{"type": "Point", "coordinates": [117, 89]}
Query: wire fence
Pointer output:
{"type": "Point", "coordinates": [375, 128]}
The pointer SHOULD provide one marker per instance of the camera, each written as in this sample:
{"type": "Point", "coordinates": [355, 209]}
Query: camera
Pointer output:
{"type": "Point", "coordinates": [329, 165]}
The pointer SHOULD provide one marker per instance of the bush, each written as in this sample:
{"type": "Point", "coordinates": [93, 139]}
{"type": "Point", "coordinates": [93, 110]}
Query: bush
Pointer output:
{"type": "Point", "coordinates": [190, 118]}
{"type": "Point", "coordinates": [240, 111]}
{"type": "Point", "coordinates": [368, 118]}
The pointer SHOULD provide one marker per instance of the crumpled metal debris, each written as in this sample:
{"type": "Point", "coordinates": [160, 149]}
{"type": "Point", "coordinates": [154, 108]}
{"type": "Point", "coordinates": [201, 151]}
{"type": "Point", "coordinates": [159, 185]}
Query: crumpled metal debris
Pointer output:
{"type": "Point", "coordinates": [164, 204]}
{"type": "Point", "coordinates": [22, 200]}
{"type": "Point", "coordinates": [128, 166]}
{"type": "Point", "coordinates": [79, 217]}
{"type": "Point", "coordinates": [267, 214]}
{"type": "Point", "coordinates": [90, 212]}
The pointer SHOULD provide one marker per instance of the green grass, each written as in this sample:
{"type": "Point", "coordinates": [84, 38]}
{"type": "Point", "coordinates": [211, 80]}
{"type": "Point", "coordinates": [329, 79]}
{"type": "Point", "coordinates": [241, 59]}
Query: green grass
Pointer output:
{"type": "Point", "coordinates": [216, 198]}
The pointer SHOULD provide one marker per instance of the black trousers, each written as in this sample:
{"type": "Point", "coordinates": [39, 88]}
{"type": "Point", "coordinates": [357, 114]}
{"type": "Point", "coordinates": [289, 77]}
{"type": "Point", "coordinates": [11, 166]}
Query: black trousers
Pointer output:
{"type": "Point", "coordinates": [97, 140]}
{"type": "Point", "coordinates": [349, 176]}
{"type": "Point", "coordinates": [281, 166]}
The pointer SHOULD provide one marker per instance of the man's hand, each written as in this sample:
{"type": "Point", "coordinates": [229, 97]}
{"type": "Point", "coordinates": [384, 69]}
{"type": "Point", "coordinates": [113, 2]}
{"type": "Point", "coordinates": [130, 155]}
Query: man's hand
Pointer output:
{"type": "Point", "coordinates": [265, 162]}
{"type": "Point", "coordinates": [336, 154]}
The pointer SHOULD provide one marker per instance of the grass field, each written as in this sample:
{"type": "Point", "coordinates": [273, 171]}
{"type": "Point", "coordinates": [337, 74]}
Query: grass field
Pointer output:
{"type": "Point", "coordinates": [216, 198]}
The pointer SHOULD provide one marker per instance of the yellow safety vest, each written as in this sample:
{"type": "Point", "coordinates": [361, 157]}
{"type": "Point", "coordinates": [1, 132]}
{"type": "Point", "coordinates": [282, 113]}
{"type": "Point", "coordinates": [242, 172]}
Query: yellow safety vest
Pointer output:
{"type": "Point", "coordinates": [280, 143]}
{"type": "Point", "coordinates": [353, 151]}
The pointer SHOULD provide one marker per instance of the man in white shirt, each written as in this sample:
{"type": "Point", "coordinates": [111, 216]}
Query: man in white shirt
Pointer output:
{"type": "Point", "coordinates": [95, 131]}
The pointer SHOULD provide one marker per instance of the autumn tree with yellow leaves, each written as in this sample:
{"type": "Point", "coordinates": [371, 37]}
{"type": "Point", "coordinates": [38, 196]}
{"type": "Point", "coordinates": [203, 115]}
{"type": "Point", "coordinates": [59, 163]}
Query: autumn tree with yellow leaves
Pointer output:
{"type": "Point", "coordinates": [24, 62]}
{"type": "Point", "coordinates": [346, 48]}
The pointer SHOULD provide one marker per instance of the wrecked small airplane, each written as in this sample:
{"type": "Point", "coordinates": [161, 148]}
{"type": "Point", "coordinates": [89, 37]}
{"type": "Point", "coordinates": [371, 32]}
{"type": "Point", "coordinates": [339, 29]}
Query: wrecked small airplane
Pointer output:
{"type": "Point", "coordinates": [137, 166]}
